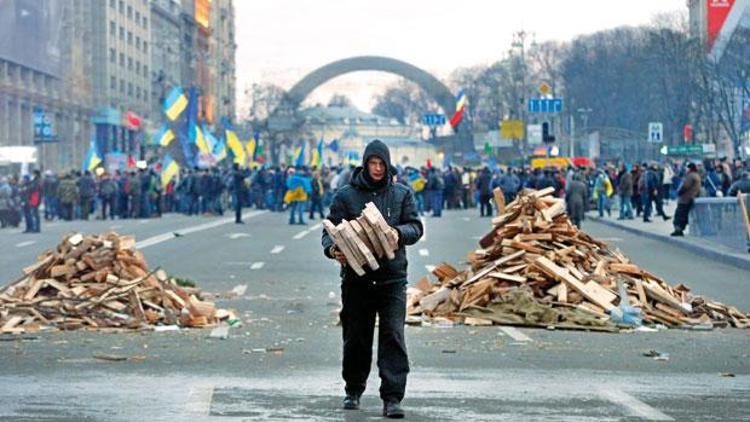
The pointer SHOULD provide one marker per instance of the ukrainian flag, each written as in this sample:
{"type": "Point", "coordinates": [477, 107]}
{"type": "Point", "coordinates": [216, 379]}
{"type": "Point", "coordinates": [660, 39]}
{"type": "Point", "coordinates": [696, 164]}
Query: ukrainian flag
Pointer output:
{"type": "Point", "coordinates": [251, 146]}
{"type": "Point", "coordinates": [92, 159]}
{"type": "Point", "coordinates": [317, 155]}
{"type": "Point", "coordinates": [220, 150]}
{"type": "Point", "coordinates": [169, 169]}
{"type": "Point", "coordinates": [196, 135]}
{"type": "Point", "coordinates": [175, 103]}
{"type": "Point", "coordinates": [163, 137]}
{"type": "Point", "coordinates": [211, 140]}
{"type": "Point", "coordinates": [235, 146]}
{"type": "Point", "coordinates": [299, 155]}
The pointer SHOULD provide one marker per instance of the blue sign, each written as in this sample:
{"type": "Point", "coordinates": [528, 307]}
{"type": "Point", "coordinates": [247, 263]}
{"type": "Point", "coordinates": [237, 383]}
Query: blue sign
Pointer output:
{"type": "Point", "coordinates": [433, 119]}
{"type": "Point", "coordinates": [43, 129]}
{"type": "Point", "coordinates": [545, 105]}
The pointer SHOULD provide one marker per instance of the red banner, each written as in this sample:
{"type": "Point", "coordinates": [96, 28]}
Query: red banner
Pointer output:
{"type": "Point", "coordinates": [718, 10]}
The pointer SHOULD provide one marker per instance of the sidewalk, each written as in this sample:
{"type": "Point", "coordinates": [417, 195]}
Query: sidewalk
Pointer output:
{"type": "Point", "coordinates": [659, 229]}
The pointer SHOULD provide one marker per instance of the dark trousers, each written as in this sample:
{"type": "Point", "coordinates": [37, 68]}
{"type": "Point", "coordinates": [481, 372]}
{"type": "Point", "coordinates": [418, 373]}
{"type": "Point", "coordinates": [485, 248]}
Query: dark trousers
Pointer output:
{"type": "Point", "coordinates": [237, 202]}
{"type": "Point", "coordinates": [108, 204]}
{"type": "Point", "coordinates": [681, 216]}
{"type": "Point", "coordinates": [361, 303]}
{"type": "Point", "coordinates": [437, 203]}
{"type": "Point", "coordinates": [316, 204]}
{"type": "Point", "coordinates": [485, 205]}
{"type": "Point", "coordinates": [85, 207]}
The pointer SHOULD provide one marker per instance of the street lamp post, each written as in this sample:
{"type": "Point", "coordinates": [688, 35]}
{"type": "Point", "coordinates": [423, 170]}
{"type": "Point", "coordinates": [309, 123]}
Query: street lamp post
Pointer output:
{"type": "Point", "coordinates": [584, 112]}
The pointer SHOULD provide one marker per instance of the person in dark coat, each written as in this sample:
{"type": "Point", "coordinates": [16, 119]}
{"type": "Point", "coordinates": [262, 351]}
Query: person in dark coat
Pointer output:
{"type": "Point", "coordinates": [625, 192]}
{"type": "Point", "coordinates": [238, 192]}
{"type": "Point", "coordinates": [484, 186]}
{"type": "Point", "coordinates": [381, 292]}
{"type": "Point", "coordinates": [576, 197]}
{"type": "Point", "coordinates": [689, 189]}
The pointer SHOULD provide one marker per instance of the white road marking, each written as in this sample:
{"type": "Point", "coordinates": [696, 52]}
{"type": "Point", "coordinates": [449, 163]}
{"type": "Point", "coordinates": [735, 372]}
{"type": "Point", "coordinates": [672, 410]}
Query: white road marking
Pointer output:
{"type": "Point", "coordinates": [424, 252]}
{"type": "Point", "coordinates": [199, 400]}
{"type": "Point", "coordinates": [430, 268]}
{"type": "Point", "coordinates": [467, 218]}
{"type": "Point", "coordinates": [159, 238]}
{"type": "Point", "coordinates": [257, 265]}
{"type": "Point", "coordinates": [424, 229]}
{"type": "Point", "coordinates": [25, 243]}
{"type": "Point", "coordinates": [277, 249]}
{"type": "Point", "coordinates": [515, 334]}
{"type": "Point", "coordinates": [305, 232]}
{"type": "Point", "coordinates": [634, 406]}
{"type": "Point", "coordinates": [114, 226]}
{"type": "Point", "coordinates": [237, 235]}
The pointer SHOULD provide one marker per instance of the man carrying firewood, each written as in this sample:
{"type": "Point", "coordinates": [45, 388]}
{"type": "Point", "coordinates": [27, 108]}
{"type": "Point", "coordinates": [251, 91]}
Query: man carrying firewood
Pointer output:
{"type": "Point", "coordinates": [381, 292]}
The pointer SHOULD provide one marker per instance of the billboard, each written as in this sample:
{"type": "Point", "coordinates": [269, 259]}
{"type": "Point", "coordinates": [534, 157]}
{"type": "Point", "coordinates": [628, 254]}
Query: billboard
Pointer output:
{"type": "Point", "coordinates": [202, 12]}
{"type": "Point", "coordinates": [30, 31]}
{"type": "Point", "coordinates": [718, 10]}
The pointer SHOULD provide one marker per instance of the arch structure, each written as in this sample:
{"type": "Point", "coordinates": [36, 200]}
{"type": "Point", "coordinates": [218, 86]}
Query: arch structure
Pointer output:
{"type": "Point", "coordinates": [284, 117]}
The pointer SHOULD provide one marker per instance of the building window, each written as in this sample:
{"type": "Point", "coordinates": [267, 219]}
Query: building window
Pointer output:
{"type": "Point", "coordinates": [112, 56]}
{"type": "Point", "coordinates": [145, 23]}
{"type": "Point", "coordinates": [130, 12]}
{"type": "Point", "coordinates": [145, 47]}
{"type": "Point", "coordinates": [130, 38]}
{"type": "Point", "coordinates": [122, 86]}
{"type": "Point", "coordinates": [145, 70]}
{"type": "Point", "coordinates": [112, 28]}
{"type": "Point", "coordinates": [137, 42]}
{"type": "Point", "coordinates": [138, 92]}
{"type": "Point", "coordinates": [122, 34]}
{"type": "Point", "coordinates": [112, 3]}
{"type": "Point", "coordinates": [130, 88]}
{"type": "Point", "coordinates": [113, 83]}
{"type": "Point", "coordinates": [130, 63]}
{"type": "Point", "coordinates": [137, 18]}
{"type": "Point", "coordinates": [122, 59]}
{"type": "Point", "coordinates": [122, 7]}
{"type": "Point", "coordinates": [137, 67]}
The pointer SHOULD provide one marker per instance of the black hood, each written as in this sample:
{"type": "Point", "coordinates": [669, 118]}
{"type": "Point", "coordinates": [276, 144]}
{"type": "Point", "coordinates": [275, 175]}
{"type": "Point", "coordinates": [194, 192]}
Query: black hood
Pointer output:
{"type": "Point", "coordinates": [361, 179]}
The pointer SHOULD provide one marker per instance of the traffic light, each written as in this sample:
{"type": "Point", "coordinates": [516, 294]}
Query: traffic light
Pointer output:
{"type": "Point", "coordinates": [546, 137]}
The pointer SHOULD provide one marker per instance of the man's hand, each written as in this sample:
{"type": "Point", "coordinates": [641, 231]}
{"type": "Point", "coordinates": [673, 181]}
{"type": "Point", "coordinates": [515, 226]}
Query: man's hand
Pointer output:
{"type": "Point", "coordinates": [338, 255]}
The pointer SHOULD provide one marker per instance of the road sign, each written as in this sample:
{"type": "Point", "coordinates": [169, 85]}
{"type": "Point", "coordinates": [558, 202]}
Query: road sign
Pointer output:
{"type": "Point", "coordinates": [433, 119]}
{"type": "Point", "coordinates": [545, 105]}
{"type": "Point", "coordinates": [685, 149]}
{"type": "Point", "coordinates": [655, 132]}
{"type": "Point", "coordinates": [42, 125]}
{"type": "Point", "coordinates": [544, 88]}
{"type": "Point", "coordinates": [534, 134]}
{"type": "Point", "coordinates": [511, 129]}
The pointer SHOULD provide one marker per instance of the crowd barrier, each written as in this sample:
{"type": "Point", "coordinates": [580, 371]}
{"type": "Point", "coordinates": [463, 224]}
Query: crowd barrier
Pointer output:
{"type": "Point", "coordinates": [720, 220]}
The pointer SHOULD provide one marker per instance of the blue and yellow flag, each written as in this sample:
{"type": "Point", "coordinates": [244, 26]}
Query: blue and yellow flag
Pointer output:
{"type": "Point", "coordinates": [169, 169]}
{"type": "Point", "coordinates": [251, 146]}
{"type": "Point", "coordinates": [196, 136]}
{"type": "Point", "coordinates": [163, 137]}
{"type": "Point", "coordinates": [175, 103]}
{"type": "Point", "coordinates": [299, 155]}
{"type": "Point", "coordinates": [234, 144]}
{"type": "Point", "coordinates": [316, 159]}
{"type": "Point", "coordinates": [93, 159]}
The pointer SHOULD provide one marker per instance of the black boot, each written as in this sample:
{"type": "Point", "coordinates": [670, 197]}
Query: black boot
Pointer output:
{"type": "Point", "coordinates": [393, 410]}
{"type": "Point", "coordinates": [351, 402]}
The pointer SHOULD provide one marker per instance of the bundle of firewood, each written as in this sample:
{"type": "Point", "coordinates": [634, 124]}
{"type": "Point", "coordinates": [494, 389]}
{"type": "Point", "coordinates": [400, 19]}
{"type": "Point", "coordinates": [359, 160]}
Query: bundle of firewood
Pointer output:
{"type": "Point", "coordinates": [365, 239]}
{"type": "Point", "coordinates": [534, 246]}
{"type": "Point", "coordinates": [99, 282]}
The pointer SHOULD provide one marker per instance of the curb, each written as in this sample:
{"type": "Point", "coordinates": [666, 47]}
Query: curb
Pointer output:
{"type": "Point", "coordinates": [736, 260]}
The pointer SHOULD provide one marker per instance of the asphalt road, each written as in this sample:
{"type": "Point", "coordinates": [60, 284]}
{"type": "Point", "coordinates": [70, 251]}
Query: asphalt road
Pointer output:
{"type": "Point", "coordinates": [458, 373]}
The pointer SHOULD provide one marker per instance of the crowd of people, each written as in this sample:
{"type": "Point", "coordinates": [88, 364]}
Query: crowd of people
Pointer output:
{"type": "Point", "coordinates": [638, 190]}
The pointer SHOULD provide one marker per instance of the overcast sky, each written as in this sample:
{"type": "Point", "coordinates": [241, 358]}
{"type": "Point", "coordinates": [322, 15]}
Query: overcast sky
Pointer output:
{"type": "Point", "coordinates": [280, 41]}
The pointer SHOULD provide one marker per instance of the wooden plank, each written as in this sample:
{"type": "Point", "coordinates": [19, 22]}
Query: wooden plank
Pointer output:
{"type": "Point", "coordinates": [369, 257]}
{"type": "Point", "coordinates": [507, 277]}
{"type": "Point", "coordinates": [497, 193]}
{"type": "Point", "coordinates": [559, 273]}
{"type": "Point", "coordinates": [557, 209]}
{"type": "Point", "coordinates": [350, 258]}
{"type": "Point", "coordinates": [488, 269]}
{"type": "Point", "coordinates": [658, 294]}
{"type": "Point", "coordinates": [9, 325]}
{"type": "Point", "coordinates": [34, 289]}
{"type": "Point", "coordinates": [562, 293]}
{"type": "Point", "coordinates": [594, 288]}
{"type": "Point", "coordinates": [431, 301]}
{"type": "Point", "coordinates": [641, 294]}
{"type": "Point", "coordinates": [374, 240]}
{"type": "Point", "coordinates": [376, 221]}
{"type": "Point", "coordinates": [743, 210]}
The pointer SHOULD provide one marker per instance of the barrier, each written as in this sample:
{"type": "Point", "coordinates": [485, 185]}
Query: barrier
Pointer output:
{"type": "Point", "coordinates": [720, 220]}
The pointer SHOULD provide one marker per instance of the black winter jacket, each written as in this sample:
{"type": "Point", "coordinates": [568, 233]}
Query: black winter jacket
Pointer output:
{"type": "Point", "coordinates": [396, 202]}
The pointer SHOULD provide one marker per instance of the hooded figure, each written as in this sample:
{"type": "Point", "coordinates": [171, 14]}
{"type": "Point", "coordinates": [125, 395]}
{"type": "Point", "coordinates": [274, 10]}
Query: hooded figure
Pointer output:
{"type": "Point", "coordinates": [381, 292]}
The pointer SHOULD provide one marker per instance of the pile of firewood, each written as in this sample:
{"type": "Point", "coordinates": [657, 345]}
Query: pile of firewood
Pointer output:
{"type": "Point", "coordinates": [533, 246]}
{"type": "Point", "coordinates": [365, 239]}
{"type": "Point", "coordinates": [97, 282]}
